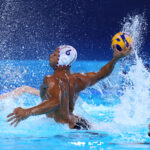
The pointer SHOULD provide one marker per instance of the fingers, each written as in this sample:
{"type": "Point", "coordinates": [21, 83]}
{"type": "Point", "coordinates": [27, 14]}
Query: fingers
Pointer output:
{"type": "Point", "coordinates": [124, 52]}
{"type": "Point", "coordinates": [115, 48]}
{"type": "Point", "coordinates": [11, 118]}
{"type": "Point", "coordinates": [16, 123]}
{"type": "Point", "coordinates": [14, 118]}
{"type": "Point", "coordinates": [129, 49]}
{"type": "Point", "coordinates": [14, 112]}
{"type": "Point", "coordinates": [125, 45]}
{"type": "Point", "coordinates": [10, 115]}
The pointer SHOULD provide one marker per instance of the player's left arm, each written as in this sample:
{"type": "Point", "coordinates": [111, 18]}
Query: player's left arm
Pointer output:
{"type": "Point", "coordinates": [89, 79]}
{"type": "Point", "coordinates": [108, 68]}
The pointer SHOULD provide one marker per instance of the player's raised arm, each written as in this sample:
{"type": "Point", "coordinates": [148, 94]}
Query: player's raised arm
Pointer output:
{"type": "Point", "coordinates": [89, 79]}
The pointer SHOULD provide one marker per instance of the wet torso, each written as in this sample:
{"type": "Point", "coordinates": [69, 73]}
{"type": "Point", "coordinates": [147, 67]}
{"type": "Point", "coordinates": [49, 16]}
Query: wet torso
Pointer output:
{"type": "Point", "coordinates": [68, 91]}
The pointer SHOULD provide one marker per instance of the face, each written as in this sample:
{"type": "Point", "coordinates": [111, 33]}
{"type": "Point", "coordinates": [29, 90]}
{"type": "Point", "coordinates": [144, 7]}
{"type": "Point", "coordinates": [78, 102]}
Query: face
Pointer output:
{"type": "Point", "coordinates": [53, 59]}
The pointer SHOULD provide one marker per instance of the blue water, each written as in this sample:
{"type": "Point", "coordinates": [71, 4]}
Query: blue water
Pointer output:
{"type": "Point", "coordinates": [101, 105]}
{"type": "Point", "coordinates": [116, 107]}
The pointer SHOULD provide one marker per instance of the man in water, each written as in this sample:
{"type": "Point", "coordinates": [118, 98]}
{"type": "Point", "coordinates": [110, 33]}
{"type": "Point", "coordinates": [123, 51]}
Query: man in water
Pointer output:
{"type": "Point", "coordinates": [60, 91]}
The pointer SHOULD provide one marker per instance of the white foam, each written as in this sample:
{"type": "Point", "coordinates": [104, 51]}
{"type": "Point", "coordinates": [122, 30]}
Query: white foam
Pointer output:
{"type": "Point", "coordinates": [135, 101]}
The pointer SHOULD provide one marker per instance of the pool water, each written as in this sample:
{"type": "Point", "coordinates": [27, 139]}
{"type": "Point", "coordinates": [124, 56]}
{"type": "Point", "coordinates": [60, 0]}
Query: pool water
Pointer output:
{"type": "Point", "coordinates": [116, 107]}
{"type": "Point", "coordinates": [119, 119]}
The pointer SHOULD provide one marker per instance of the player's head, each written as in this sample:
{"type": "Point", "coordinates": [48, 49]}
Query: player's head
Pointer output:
{"type": "Point", "coordinates": [63, 55]}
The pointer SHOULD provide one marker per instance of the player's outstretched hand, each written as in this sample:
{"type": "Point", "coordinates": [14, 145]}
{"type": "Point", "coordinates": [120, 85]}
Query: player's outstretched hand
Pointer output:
{"type": "Point", "coordinates": [125, 51]}
{"type": "Point", "coordinates": [18, 115]}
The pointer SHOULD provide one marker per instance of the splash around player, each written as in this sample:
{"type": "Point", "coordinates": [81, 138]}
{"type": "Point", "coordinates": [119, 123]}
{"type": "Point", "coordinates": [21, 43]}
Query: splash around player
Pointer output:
{"type": "Point", "coordinates": [60, 90]}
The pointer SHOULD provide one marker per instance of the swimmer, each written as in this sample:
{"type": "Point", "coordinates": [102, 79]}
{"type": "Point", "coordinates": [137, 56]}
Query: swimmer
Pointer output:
{"type": "Point", "coordinates": [60, 90]}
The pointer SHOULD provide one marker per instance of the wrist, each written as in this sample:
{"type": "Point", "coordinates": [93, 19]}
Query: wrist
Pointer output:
{"type": "Point", "coordinates": [28, 112]}
{"type": "Point", "coordinates": [115, 59]}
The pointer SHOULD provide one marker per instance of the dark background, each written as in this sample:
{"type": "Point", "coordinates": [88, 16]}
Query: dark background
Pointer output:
{"type": "Point", "coordinates": [32, 29]}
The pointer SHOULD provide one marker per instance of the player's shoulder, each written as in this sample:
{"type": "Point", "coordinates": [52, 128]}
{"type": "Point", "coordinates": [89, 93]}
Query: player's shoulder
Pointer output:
{"type": "Point", "coordinates": [49, 79]}
{"type": "Point", "coordinates": [79, 75]}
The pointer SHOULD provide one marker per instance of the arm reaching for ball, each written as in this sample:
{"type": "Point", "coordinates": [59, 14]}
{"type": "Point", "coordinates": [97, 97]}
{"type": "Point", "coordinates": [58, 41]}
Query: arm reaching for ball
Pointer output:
{"type": "Point", "coordinates": [89, 79]}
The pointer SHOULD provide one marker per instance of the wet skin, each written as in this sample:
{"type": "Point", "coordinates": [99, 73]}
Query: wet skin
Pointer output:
{"type": "Point", "coordinates": [60, 91]}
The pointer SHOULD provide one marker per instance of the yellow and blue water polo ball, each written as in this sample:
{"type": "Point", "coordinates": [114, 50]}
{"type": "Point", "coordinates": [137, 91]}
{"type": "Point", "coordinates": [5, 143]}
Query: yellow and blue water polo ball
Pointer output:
{"type": "Point", "coordinates": [120, 39]}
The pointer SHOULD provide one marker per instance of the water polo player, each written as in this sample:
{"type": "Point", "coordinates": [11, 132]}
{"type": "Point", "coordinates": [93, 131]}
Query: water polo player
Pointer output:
{"type": "Point", "coordinates": [60, 90]}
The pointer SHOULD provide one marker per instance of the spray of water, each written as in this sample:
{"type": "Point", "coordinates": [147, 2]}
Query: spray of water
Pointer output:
{"type": "Point", "coordinates": [134, 106]}
{"type": "Point", "coordinates": [134, 102]}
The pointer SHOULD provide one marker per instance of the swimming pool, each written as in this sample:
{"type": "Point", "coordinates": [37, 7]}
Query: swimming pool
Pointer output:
{"type": "Point", "coordinates": [116, 107]}
{"type": "Point", "coordinates": [119, 121]}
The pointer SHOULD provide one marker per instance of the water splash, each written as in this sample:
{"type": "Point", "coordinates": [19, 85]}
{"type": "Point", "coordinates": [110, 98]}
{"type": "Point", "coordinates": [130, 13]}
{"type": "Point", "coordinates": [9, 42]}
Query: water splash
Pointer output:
{"type": "Point", "coordinates": [135, 104]}
{"type": "Point", "coordinates": [8, 26]}
{"type": "Point", "coordinates": [40, 125]}
{"type": "Point", "coordinates": [132, 110]}
{"type": "Point", "coordinates": [136, 26]}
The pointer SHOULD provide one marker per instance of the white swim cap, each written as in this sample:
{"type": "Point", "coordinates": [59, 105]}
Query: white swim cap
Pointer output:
{"type": "Point", "coordinates": [67, 55]}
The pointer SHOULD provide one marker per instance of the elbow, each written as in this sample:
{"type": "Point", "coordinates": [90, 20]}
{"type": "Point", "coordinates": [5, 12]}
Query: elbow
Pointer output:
{"type": "Point", "coordinates": [53, 106]}
{"type": "Point", "coordinates": [57, 106]}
